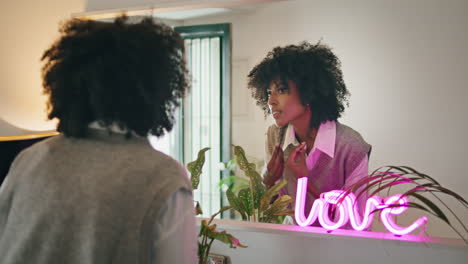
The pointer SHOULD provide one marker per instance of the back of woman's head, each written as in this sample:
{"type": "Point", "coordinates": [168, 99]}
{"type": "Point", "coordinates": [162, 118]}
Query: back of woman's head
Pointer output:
{"type": "Point", "coordinates": [131, 75]}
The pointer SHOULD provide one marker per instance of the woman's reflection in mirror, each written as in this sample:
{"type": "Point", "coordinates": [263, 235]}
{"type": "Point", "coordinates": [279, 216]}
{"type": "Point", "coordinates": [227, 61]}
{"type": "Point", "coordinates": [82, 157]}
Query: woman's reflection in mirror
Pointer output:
{"type": "Point", "coordinates": [302, 88]}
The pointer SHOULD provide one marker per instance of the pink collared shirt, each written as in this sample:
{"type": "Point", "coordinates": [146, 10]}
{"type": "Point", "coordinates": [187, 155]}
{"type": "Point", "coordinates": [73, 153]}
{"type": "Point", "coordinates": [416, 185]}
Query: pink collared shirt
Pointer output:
{"type": "Point", "coordinates": [324, 144]}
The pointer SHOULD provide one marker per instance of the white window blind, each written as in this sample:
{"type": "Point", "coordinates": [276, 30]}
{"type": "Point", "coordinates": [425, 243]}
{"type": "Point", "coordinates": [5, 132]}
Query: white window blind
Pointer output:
{"type": "Point", "coordinates": [202, 126]}
{"type": "Point", "coordinates": [198, 122]}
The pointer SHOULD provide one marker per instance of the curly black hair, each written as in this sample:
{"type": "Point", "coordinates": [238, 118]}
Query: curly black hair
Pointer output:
{"type": "Point", "coordinates": [132, 75]}
{"type": "Point", "coordinates": [314, 69]}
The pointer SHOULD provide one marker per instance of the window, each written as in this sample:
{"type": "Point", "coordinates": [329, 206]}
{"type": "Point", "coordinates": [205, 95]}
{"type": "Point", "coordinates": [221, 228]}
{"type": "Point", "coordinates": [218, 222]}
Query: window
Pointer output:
{"type": "Point", "coordinates": [204, 118]}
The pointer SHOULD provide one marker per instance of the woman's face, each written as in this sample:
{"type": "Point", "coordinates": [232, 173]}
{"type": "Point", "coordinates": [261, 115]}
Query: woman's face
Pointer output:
{"type": "Point", "coordinates": [285, 103]}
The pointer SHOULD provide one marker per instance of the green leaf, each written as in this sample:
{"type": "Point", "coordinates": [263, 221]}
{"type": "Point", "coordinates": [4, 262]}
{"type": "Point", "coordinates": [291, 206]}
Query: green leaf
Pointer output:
{"type": "Point", "coordinates": [246, 200]}
{"type": "Point", "coordinates": [240, 186]}
{"type": "Point", "coordinates": [198, 210]}
{"type": "Point", "coordinates": [195, 168]}
{"type": "Point", "coordinates": [408, 205]}
{"type": "Point", "coordinates": [236, 204]}
{"type": "Point", "coordinates": [234, 182]}
{"type": "Point", "coordinates": [388, 185]}
{"type": "Point", "coordinates": [203, 227]}
{"type": "Point", "coordinates": [258, 188]}
{"type": "Point", "coordinates": [431, 205]}
{"type": "Point", "coordinates": [280, 204]}
{"type": "Point", "coordinates": [225, 208]}
{"type": "Point", "coordinates": [254, 198]}
{"type": "Point", "coordinates": [366, 182]}
{"type": "Point", "coordinates": [226, 238]}
{"type": "Point", "coordinates": [451, 193]}
{"type": "Point", "coordinates": [383, 174]}
{"type": "Point", "coordinates": [272, 191]}
{"type": "Point", "coordinates": [231, 164]}
{"type": "Point", "coordinates": [240, 158]}
{"type": "Point", "coordinates": [425, 176]}
{"type": "Point", "coordinates": [252, 166]}
{"type": "Point", "coordinates": [289, 212]}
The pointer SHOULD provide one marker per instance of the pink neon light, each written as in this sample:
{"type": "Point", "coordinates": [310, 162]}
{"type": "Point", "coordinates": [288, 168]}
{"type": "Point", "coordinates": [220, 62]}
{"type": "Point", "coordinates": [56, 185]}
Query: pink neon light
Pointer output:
{"type": "Point", "coordinates": [348, 212]}
{"type": "Point", "coordinates": [388, 220]}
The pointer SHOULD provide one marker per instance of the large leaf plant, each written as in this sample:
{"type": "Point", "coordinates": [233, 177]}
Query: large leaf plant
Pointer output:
{"type": "Point", "coordinates": [253, 201]}
{"type": "Point", "coordinates": [208, 233]}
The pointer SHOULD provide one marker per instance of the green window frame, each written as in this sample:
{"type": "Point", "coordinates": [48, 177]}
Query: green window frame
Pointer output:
{"type": "Point", "coordinates": [213, 41]}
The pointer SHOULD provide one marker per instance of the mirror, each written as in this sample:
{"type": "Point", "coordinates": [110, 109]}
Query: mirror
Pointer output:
{"type": "Point", "coordinates": [404, 64]}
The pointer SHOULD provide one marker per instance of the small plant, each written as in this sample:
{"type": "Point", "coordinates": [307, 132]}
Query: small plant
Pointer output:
{"type": "Point", "coordinates": [208, 233]}
{"type": "Point", "coordinates": [253, 201]}
{"type": "Point", "coordinates": [424, 190]}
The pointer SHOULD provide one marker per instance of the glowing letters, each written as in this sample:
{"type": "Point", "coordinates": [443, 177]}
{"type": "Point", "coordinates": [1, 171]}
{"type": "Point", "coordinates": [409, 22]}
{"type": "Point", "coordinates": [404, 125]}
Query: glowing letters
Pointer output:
{"type": "Point", "coordinates": [348, 212]}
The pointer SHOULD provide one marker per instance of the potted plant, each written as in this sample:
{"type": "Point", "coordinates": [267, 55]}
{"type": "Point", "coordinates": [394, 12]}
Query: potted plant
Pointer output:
{"type": "Point", "coordinates": [253, 201]}
{"type": "Point", "coordinates": [208, 232]}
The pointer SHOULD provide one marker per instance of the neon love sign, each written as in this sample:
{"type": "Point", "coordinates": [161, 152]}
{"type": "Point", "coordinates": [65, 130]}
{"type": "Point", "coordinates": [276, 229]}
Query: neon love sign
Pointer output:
{"type": "Point", "coordinates": [348, 212]}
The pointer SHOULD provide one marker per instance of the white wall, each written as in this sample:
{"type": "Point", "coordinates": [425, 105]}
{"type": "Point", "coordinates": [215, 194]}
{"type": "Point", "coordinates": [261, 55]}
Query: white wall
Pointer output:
{"type": "Point", "coordinates": [27, 29]}
{"type": "Point", "coordinates": [404, 62]}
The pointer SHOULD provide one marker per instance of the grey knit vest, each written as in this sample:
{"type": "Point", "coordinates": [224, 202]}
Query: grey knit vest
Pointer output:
{"type": "Point", "coordinates": [92, 200]}
{"type": "Point", "coordinates": [328, 173]}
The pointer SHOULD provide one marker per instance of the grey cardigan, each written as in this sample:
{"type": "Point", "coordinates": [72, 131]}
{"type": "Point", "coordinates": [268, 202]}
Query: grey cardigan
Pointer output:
{"type": "Point", "coordinates": [92, 200]}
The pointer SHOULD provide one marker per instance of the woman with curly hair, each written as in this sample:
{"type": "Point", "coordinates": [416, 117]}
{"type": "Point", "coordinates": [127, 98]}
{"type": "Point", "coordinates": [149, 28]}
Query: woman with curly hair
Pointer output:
{"type": "Point", "coordinates": [99, 193]}
{"type": "Point", "coordinates": [302, 87]}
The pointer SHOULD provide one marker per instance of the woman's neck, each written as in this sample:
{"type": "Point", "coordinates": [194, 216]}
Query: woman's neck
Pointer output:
{"type": "Point", "coordinates": [303, 131]}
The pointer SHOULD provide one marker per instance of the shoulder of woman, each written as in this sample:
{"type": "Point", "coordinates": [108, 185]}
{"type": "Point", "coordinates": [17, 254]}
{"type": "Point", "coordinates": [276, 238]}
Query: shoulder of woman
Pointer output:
{"type": "Point", "coordinates": [275, 132]}
{"type": "Point", "coordinates": [272, 129]}
{"type": "Point", "coordinates": [347, 135]}
{"type": "Point", "coordinates": [273, 136]}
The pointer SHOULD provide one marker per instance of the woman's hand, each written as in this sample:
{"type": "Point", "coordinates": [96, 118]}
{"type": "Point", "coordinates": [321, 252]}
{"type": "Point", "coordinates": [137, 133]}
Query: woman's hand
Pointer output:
{"type": "Point", "coordinates": [297, 161]}
{"type": "Point", "coordinates": [275, 167]}
{"type": "Point", "coordinates": [297, 164]}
